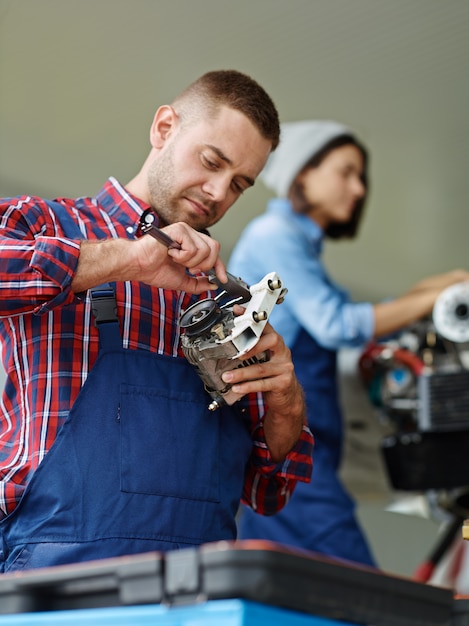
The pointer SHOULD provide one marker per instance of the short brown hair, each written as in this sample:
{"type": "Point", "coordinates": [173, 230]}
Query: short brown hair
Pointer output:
{"type": "Point", "coordinates": [235, 90]}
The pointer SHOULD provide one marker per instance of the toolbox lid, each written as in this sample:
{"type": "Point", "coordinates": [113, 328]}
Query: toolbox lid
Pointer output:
{"type": "Point", "coordinates": [265, 572]}
{"type": "Point", "coordinates": [126, 580]}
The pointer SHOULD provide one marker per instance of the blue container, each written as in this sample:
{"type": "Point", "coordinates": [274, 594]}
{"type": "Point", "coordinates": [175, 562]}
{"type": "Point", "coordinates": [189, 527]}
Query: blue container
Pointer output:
{"type": "Point", "coordinates": [213, 613]}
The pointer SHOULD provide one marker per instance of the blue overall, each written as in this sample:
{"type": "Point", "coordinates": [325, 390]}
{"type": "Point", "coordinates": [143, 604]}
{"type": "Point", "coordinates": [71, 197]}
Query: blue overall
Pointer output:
{"type": "Point", "coordinates": [140, 464]}
{"type": "Point", "coordinates": [321, 513]}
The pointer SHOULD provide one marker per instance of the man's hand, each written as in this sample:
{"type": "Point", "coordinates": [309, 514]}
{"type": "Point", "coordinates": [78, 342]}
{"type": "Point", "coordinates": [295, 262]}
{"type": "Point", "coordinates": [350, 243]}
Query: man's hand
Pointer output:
{"type": "Point", "coordinates": [149, 261]}
{"type": "Point", "coordinates": [283, 394]}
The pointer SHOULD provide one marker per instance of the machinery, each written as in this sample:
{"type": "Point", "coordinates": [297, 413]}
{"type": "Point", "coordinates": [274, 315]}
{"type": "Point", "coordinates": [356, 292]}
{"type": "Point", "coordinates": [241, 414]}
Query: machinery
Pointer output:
{"type": "Point", "coordinates": [419, 380]}
{"type": "Point", "coordinates": [215, 340]}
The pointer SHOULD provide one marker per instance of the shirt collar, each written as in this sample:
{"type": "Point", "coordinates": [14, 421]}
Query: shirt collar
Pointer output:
{"type": "Point", "coordinates": [121, 205]}
{"type": "Point", "coordinates": [283, 206]}
{"type": "Point", "coordinates": [114, 197]}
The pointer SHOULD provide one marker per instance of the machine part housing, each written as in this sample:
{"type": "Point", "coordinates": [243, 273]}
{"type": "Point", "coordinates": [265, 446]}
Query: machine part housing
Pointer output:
{"type": "Point", "coordinates": [214, 339]}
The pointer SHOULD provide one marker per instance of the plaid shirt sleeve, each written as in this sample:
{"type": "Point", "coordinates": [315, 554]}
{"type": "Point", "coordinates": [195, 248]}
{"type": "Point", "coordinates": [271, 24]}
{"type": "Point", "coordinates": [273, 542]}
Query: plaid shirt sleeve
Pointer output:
{"type": "Point", "coordinates": [269, 485]}
{"type": "Point", "coordinates": [36, 270]}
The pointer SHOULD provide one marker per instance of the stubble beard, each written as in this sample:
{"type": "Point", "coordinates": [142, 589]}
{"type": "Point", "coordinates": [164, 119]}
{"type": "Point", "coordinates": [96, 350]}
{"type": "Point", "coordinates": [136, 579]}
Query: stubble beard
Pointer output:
{"type": "Point", "coordinates": [162, 185]}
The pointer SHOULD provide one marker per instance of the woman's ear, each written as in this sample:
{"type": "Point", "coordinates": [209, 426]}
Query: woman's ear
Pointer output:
{"type": "Point", "coordinates": [164, 124]}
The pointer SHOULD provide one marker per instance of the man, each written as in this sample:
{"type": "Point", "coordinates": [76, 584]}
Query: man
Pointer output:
{"type": "Point", "coordinates": [107, 446]}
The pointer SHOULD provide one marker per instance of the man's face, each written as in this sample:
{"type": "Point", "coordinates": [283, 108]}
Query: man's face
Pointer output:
{"type": "Point", "coordinates": [203, 168]}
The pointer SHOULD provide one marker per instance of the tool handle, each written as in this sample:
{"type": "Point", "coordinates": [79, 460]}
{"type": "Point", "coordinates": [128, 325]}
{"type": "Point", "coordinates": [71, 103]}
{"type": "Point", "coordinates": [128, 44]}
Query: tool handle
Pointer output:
{"type": "Point", "coordinates": [235, 287]}
{"type": "Point", "coordinates": [147, 226]}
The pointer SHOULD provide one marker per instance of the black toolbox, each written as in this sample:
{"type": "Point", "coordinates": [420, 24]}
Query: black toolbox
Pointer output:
{"type": "Point", "coordinates": [119, 581]}
{"type": "Point", "coordinates": [461, 611]}
{"type": "Point", "coordinates": [302, 581]}
{"type": "Point", "coordinates": [259, 571]}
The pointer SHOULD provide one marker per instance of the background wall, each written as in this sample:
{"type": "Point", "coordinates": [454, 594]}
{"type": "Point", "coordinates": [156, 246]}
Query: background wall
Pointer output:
{"type": "Point", "coordinates": [80, 81]}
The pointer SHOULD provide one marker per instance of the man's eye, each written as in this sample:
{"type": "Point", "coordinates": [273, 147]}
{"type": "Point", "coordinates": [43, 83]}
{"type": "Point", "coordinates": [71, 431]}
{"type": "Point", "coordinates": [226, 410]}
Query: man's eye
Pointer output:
{"type": "Point", "coordinates": [209, 163]}
{"type": "Point", "coordinates": [237, 187]}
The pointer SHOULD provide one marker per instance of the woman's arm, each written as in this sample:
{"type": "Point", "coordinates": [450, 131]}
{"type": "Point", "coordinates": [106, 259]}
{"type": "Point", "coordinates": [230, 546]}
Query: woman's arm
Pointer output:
{"type": "Point", "coordinates": [416, 303]}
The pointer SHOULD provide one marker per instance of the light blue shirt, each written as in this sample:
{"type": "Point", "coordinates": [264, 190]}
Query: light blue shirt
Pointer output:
{"type": "Point", "coordinates": [290, 244]}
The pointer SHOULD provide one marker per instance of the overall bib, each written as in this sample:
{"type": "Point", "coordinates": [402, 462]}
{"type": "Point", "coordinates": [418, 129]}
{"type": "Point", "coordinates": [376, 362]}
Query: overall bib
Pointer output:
{"type": "Point", "coordinates": [140, 464]}
{"type": "Point", "coordinates": [321, 514]}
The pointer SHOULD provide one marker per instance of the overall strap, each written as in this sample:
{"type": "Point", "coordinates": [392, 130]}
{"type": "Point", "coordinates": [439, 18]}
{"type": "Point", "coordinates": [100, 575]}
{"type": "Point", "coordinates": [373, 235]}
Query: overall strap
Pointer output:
{"type": "Point", "coordinates": [103, 297]}
{"type": "Point", "coordinates": [104, 308]}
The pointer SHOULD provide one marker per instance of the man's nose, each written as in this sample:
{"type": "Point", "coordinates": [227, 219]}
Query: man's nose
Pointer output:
{"type": "Point", "coordinates": [217, 187]}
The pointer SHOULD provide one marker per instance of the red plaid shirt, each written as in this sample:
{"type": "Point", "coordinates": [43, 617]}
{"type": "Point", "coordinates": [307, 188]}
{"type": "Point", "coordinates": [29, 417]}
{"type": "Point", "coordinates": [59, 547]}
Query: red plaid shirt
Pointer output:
{"type": "Point", "coordinates": [47, 361]}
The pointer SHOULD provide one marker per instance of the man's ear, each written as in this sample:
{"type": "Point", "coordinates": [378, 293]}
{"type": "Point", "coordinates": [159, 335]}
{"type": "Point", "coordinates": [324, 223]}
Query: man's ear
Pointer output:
{"type": "Point", "coordinates": [164, 124]}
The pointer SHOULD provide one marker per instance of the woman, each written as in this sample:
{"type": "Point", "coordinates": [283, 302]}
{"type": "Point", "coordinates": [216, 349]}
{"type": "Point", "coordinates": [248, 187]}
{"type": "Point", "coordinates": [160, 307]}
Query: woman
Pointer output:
{"type": "Point", "coordinates": [319, 174]}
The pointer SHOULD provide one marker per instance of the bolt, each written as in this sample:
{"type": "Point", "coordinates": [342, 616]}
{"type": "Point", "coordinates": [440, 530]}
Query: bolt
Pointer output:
{"type": "Point", "coordinates": [259, 316]}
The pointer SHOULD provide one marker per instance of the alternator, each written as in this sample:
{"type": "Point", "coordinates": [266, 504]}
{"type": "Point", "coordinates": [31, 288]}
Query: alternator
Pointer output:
{"type": "Point", "coordinates": [214, 339]}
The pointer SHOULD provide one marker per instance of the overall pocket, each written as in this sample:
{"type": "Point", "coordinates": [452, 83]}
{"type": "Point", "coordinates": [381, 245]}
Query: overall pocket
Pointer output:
{"type": "Point", "coordinates": [169, 444]}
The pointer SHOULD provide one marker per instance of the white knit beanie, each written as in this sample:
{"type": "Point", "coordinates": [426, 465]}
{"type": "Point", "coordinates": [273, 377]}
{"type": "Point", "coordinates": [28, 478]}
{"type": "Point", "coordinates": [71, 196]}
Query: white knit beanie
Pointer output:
{"type": "Point", "coordinates": [299, 142]}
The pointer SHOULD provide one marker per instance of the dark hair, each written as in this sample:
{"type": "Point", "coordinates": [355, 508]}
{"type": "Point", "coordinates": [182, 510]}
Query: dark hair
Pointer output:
{"type": "Point", "coordinates": [297, 197]}
{"type": "Point", "coordinates": [235, 90]}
